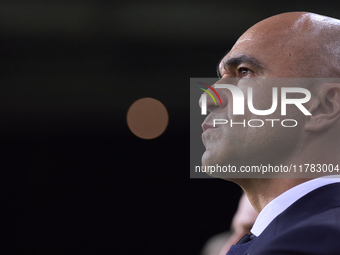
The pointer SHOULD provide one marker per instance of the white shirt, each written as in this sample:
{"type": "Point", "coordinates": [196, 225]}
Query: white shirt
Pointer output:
{"type": "Point", "coordinates": [286, 199]}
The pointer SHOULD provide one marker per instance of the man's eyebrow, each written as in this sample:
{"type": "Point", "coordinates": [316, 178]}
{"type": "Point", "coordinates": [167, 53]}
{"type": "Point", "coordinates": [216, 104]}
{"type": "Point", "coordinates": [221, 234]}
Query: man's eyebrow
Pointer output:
{"type": "Point", "coordinates": [243, 59]}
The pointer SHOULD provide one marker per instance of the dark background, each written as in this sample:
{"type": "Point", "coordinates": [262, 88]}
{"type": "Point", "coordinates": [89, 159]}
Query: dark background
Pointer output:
{"type": "Point", "coordinates": [76, 180]}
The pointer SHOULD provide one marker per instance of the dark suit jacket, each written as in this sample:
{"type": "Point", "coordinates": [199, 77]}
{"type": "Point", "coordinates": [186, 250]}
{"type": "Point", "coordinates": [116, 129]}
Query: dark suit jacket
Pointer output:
{"type": "Point", "coordinates": [309, 226]}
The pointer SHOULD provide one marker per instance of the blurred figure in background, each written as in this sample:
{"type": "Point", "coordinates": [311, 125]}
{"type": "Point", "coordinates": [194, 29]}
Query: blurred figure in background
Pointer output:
{"type": "Point", "coordinates": [241, 224]}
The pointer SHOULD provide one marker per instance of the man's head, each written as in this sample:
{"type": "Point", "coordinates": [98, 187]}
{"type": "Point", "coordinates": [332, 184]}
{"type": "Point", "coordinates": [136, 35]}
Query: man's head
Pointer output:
{"type": "Point", "coordinates": [295, 44]}
{"type": "Point", "coordinates": [289, 45]}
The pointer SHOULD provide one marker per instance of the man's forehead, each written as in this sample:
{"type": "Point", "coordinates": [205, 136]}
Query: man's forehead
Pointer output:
{"type": "Point", "coordinates": [249, 46]}
{"type": "Point", "coordinates": [267, 36]}
{"type": "Point", "coordinates": [256, 49]}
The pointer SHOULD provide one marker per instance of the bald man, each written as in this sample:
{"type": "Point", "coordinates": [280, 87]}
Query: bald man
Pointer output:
{"type": "Point", "coordinates": [296, 215]}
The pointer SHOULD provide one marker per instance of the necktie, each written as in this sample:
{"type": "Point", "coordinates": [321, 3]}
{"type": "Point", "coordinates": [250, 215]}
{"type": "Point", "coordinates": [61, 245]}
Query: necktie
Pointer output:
{"type": "Point", "coordinates": [246, 238]}
{"type": "Point", "coordinates": [242, 245]}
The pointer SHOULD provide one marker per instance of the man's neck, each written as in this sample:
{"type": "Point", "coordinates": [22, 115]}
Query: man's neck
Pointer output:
{"type": "Point", "coordinates": [261, 191]}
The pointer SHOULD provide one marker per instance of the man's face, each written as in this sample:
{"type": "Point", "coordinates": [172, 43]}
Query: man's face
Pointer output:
{"type": "Point", "coordinates": [257, 54]}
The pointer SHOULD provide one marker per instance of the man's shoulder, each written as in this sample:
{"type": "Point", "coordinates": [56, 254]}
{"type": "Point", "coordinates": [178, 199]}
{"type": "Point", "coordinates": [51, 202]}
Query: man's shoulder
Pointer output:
{"type": "Point", "coordinates": [323, 223]}
{"type": "Point", "coordinates": [311, 225]}
{"type": "Point", "coordinates": [318, 234]}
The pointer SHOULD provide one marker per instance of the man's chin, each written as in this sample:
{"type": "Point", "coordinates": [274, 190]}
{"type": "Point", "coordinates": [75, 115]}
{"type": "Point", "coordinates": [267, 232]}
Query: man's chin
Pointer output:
{"type": "Point", "coordinates": [209, 158]}
{"type": "Point", "coordinates": [211, 164]}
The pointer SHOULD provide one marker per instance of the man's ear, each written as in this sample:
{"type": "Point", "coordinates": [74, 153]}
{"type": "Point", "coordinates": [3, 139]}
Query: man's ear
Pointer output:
{"type": "Point", "coordinates": [324, 107]}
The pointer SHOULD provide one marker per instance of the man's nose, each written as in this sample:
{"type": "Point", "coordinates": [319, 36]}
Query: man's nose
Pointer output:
{"type": "Point", "coordinates": [210, 99]}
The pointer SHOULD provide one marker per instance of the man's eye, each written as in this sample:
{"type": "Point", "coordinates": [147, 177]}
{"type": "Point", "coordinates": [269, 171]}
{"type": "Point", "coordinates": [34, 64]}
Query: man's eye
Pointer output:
{"type": "Point", "coordinates": [243, 72]}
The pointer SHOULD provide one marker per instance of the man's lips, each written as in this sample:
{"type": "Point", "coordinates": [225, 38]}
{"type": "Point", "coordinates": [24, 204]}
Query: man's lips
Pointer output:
{"type": "Point", "coordinates": [206, 126]}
